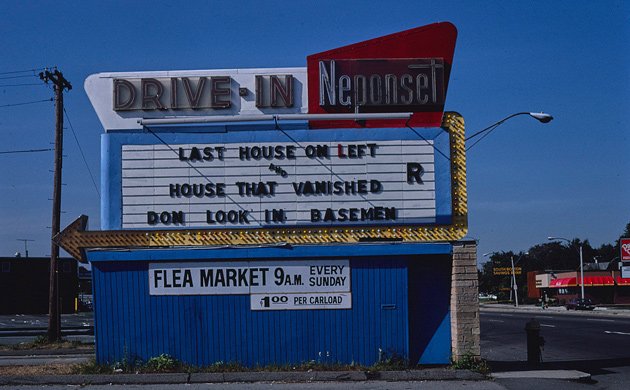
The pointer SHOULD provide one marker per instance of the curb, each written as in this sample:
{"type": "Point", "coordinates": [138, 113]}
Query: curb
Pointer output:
{"type": "Point", "coordinates": [572, 375]}
{"type": "Point", "coordinates": [536, 310]}
{"type": "Point", "coordinates": [245, 377]}
{"type": "Point", "coordinates": [281, 376]}
{"type": "Point", "coordinates": [94, 379]}
{"type": "Point", "coordinates": [430, 374]}
{"type": "Point", "coordinates": [46, 352]}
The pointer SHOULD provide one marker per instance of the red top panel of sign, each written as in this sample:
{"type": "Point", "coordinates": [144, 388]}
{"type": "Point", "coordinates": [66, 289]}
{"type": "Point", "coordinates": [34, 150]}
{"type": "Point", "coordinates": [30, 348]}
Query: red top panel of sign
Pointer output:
{"type": "Point", "coordinates": [403, 72]}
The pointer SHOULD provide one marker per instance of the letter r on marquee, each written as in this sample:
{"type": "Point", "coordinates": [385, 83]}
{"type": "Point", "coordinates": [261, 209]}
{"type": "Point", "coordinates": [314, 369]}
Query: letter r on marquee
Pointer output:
{"type": "Point", "coordinates": [414, 173]}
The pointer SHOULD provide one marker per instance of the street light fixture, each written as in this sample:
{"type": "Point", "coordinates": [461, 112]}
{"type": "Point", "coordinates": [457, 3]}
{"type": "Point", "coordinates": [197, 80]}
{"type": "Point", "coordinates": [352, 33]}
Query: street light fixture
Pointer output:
{"type": "Point", "coordinates": [581, 262]}
{"type": "Point", "coordinates": [540, 116]}
{"type": "Point", "coordinates": [514, 286]}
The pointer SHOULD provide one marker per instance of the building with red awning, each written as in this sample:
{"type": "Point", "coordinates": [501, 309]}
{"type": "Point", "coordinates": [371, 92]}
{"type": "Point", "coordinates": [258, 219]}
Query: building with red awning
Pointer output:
{"type": "Point", "coordinates": [602, 287]}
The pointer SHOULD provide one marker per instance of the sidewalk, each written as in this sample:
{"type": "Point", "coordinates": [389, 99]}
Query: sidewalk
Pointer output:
{"type": "Point", "coordinates": [429, 374]}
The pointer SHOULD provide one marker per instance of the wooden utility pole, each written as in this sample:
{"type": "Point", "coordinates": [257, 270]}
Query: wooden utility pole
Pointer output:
{"type": "Point", "coordinates": [54, 312]}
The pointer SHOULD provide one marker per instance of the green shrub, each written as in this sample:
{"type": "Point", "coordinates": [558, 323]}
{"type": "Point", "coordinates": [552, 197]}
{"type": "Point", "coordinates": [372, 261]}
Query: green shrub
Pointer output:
{"type": "Point", "coordinates": [472, 363]}
{"type": "Point", "coordinates": [41, 340]}
{"type": "Point", "coordinates": [162, 363]}
{"type": "Point", "coordinates": [92, 368]}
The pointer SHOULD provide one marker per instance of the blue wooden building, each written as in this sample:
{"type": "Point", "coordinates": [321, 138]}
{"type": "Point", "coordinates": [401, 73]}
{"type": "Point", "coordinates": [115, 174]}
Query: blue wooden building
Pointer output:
{"type": "Point", "coordinates": [400, 309]}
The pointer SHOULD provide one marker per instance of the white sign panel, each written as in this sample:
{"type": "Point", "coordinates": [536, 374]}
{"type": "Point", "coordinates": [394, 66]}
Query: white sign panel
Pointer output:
{"type": "Point", "coordinates": [542, 280]}
{"type": "Point", "coordinates": [241, 278]}
{"type": "Point", "coordinates": [120, 99]}
{"type": "Point", "coordinates": [625, 271]}
{"type": "Point", "coordinates": [308, 301]}
{"type": "Point", "coordinates": [278, 184]}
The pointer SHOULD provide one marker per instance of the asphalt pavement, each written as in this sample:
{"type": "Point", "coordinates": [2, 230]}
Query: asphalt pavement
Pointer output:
{"type": "Point", "coordinates": [600, 311]}
{"type": "Point", "coordinates": [25, 328]}
{"type": "Point", "coordinates": [594, 343]}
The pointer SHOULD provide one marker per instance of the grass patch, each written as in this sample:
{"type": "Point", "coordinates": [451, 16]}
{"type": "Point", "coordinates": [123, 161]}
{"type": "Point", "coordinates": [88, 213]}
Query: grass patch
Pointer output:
{"type": "Point", "coordinates": [472, 363]}
{"type": "Point", "coordinates": [306, 366]}
{"type": "Point", "coordinates": [47, 369]}
{"type": "Point", "coordinates": [222, 367]}
{"type": "Point", "coordinates": [41, 342]}
{"type": "Point", "coordinates": [391, 363]}
{"type": "Point", "coordinates": [166, 364]}
{"type": "Point", "coordinates": [91, 368]}
{"type": "Point", "coordinates": [162, 363]}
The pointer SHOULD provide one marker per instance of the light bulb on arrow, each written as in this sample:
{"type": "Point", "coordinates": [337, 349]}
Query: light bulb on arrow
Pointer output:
{"type": "Point", "coordinates": [74, 239]}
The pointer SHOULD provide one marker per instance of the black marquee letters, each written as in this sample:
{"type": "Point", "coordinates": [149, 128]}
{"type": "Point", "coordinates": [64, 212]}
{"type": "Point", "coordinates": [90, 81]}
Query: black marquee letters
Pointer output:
{"type": "Point", "coordinates": [302, 191]}
{"type": "Point", "coordinates": [414, 171]}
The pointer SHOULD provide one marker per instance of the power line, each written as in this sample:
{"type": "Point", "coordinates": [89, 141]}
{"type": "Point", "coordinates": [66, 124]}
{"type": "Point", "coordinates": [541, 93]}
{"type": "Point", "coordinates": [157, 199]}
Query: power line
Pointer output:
{"type": "Point", "coordinates": [488, 131]}
{"type": "Point", "coordinates": [25, 151]}
{"type": "Point", "coordinates": [195, 168]}
{"type": "Point", "coordinates": [22, 104]}
{"type": "Point", "coordinates": [427, 141]}
{"type": "Point", "coordinates": [81, 150]}
{"type": "Point", "coordinates": [18, 85]}
{"type": "Point", "coordinates": [18, 77]}
{"type": "Point", "coordinates": [22, 71]}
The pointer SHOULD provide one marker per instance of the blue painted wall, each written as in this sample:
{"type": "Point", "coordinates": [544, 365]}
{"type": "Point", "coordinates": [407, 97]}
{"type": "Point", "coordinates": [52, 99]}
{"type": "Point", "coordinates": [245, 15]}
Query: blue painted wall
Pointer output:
{"type": "Point", "coordinates": [400, 303]}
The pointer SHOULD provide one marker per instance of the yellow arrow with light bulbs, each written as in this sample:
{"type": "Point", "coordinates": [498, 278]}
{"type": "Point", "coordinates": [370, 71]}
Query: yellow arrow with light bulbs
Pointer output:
{"type": "Point", "coordinates": [75, 240]}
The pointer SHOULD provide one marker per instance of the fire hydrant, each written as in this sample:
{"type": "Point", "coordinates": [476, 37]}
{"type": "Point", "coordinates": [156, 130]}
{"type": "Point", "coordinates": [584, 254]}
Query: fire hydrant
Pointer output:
{"type": "Point", "coordinates": [535, 342]}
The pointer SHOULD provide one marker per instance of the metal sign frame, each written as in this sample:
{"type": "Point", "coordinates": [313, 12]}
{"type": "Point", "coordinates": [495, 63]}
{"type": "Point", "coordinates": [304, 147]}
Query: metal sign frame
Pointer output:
{"type": "Point", "coordinates": [74, 239]}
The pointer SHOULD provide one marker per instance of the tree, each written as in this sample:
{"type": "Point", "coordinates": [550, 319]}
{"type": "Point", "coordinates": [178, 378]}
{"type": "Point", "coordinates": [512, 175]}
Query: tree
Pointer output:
{"type": "Point", "coordinates": [501, 284]}
{"type": "Point", "coordinates": [554, 256]}
{"type": "Point", "coordinates": [488, 281]}
{"type": "Point", "coordinates": [606, 252]}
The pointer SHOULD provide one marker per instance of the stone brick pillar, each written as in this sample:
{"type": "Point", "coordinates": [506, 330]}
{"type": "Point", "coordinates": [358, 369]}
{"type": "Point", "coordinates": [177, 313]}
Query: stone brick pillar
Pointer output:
{"type": "Point", "coordinates": [465, 301]}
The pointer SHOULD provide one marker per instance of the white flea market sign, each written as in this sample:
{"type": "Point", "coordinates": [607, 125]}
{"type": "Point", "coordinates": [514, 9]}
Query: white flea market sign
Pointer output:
{"type": "Point", "coordinates": [272, 285]}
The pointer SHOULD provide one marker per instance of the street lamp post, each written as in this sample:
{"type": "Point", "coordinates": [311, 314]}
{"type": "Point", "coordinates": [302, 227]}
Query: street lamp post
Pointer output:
{"type": "Point", "coordinates": [514, 282]}
{"type": "Point", "coordinates": [540, 116]}
{"type": "Point", "coordinates": [25, 240]}
{"type": "Point", "coordinates": [581, 262]}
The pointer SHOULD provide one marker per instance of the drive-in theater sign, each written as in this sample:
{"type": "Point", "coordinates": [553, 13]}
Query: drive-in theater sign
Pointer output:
{"type": "Point", "coordinates": [272, 216]}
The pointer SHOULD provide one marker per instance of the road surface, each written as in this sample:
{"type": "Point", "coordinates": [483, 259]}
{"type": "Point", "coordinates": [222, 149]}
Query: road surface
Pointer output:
{"type": "Point", "coordinates": [588, 342]}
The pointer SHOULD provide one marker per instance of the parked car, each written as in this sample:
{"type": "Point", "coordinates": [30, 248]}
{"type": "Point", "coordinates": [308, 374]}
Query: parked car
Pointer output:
{"type": "Point", "coordinates": [580, 304]}
{"type": "Point", "coordinates": [85, 303]}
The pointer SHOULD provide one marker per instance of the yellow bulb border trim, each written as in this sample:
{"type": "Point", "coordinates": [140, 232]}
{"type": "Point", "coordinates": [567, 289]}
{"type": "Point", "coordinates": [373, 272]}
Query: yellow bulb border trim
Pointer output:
{"type": "Point", "coordinates": [75, 240]}
{"type": "Point", "coordinates": [452, 122]}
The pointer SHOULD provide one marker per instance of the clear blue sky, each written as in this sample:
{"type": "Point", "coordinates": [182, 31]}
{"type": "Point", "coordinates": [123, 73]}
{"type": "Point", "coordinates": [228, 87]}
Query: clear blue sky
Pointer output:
{"type": "Point", "coordinates": [526, 181]}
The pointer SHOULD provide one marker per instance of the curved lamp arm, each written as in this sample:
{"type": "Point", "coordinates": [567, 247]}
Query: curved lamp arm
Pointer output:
{"type": "Point", "coordinates": [540, 116]}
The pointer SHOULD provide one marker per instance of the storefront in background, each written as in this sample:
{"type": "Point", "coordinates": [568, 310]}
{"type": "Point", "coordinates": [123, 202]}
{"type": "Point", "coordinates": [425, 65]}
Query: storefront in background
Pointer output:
{"type": "Point", "coordinates": [602, 287]}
